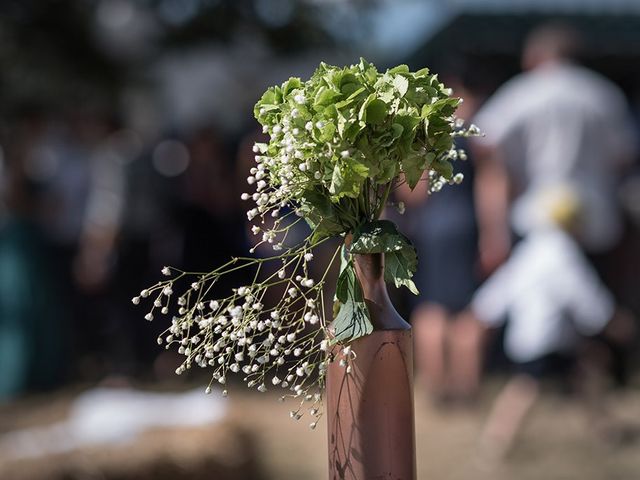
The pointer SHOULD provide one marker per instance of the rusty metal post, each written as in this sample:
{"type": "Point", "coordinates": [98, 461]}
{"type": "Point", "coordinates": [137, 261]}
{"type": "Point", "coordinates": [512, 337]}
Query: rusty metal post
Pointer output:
{"type": "Point", "coordinates": [370, 410]}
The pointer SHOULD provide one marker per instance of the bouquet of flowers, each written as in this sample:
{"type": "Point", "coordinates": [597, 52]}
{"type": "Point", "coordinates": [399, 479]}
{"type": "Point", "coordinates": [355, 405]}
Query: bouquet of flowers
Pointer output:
{"type": "Point", "coordinates": [339, 144]}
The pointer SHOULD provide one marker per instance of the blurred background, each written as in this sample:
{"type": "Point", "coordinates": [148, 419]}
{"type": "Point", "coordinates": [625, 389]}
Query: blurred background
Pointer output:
{"type": "Point", "coordinates": [126, 129]}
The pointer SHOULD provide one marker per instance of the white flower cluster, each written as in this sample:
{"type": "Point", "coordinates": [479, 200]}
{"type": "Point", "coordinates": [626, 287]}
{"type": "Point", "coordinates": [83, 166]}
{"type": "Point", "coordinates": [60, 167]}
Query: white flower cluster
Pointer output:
{"type": "Point", "coordinates": [281, 177]}
{"type": "Point", "coordinates": [279, 345]}
{"type": "Point", "coordinates": [282, 344]}
{"type": "Point", "coordinates": [436, 181]}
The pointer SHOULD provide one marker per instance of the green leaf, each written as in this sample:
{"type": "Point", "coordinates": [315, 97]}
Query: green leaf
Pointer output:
{"type": "Point", "coordinates": [327, 227]}
{"type": "Point", "coordinates": [325, 96]}
{"type": "Point", "coordinates": [397, 129]}
{"type": "Point", "coordinates": [347, 179]}
{"type": "Point", "coordinates": [346, 79]}
{"type": "Point", "coordinates": [401, 84]}
{"type": "Point", "coordinates": [350, 99]}
{"type": "Point", "coordinates": [290, 85]}
{"type": "Point", "coordinates": [320, 214]}
{"type": "Point", "coordinates": [413, 166]}
{"type": "Point", "coordinates": [379, 236]}
{"type": "Point", "coordinates": [268, 97]}
{"type": "Point", "coordinates": [269, 102]}
{"type": "Point", "coordinates": [399, 69]}
{"type": "Point", "coordinates": [352, 319]}
{"type": "Point", "coordinates": [409, 124]}
{"type": "Point", "coordinates": [399, 267]}
{"type": "Point", "coordinates": [326, 133]}
{"type": "Point", "coordinates": [401, 259]}
{"type": "Point", "coordinates": [387, 95]}
{"type": "Point", "coordinates": [376, 111]}
{"type": "Point", "coordinates": [444, 168]}
{"type": "Point", "coordinates": [352, 322]}
{"type": "Point", "coordinates": [346, 285]}
{"type": "Point", "coordinates": [319, 201]}
{"type": "Point", "coordinates": [346, 118]}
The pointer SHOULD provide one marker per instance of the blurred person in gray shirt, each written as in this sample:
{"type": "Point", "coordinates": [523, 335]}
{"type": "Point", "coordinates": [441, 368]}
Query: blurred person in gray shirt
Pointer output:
{"type": "Point", "coordinates": [556, 123]}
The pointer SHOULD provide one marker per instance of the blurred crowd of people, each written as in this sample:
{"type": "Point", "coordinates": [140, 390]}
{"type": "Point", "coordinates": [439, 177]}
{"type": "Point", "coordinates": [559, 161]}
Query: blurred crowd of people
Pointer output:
{"type": "Point", "coordinates": [91, 212]}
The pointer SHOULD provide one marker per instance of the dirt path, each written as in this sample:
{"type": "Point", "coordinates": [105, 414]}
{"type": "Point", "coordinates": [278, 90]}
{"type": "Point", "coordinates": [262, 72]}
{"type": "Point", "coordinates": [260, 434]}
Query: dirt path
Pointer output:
{"type": "Point", "coordinates": [556, 443]}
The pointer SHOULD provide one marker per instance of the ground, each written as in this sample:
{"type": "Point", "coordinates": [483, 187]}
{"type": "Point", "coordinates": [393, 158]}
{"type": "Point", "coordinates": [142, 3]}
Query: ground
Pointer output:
{"type": "Point", "coordinates": [555, 444]}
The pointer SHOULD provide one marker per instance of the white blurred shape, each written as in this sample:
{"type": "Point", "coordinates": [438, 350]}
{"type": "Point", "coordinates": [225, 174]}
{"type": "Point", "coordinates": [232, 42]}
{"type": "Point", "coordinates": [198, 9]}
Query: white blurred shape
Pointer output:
{"type": "Point", "coordinates": [125, 29]}
{"type": "Point", "coordinates": [108, 416]}
{"type": "Point", "coordinates": [170, 158]}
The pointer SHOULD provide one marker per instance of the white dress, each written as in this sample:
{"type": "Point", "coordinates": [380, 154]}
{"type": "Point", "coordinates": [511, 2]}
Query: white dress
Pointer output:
{"type": "Point", "coordinates": [548, 292]}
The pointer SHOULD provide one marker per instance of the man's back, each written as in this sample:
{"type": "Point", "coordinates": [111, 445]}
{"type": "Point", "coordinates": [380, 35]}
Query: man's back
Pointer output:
{"type": "Point", "coordinates": [562, 123]}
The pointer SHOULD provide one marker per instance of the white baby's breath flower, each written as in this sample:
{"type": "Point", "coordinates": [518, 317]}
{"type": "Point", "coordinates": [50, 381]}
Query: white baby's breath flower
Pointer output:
{"type": "Point", "coordinates": [251, 214]}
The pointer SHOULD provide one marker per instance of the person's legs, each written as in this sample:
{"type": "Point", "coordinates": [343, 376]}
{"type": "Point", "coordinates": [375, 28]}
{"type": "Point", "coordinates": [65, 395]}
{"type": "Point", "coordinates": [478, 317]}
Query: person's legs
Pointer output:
{"type": "Point", "coordinates": [430, 325]}
{"type": "Point", "coordinates": [591, 382]}
{"type": "Point", "coordinates": [465, 355]}
{"type": "Point", "coordinates": [507, 415]}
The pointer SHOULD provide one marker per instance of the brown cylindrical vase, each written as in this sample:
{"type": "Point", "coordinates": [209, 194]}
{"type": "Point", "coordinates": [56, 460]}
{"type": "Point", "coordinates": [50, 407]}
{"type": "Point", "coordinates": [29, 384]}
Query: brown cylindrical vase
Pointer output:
{"type": "Point", "coordinates": [370, 409]}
